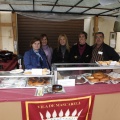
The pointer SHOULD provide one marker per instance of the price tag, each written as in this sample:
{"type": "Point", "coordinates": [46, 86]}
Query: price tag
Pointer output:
{"type": "Point", "coordinates": [36, 71]}
{"type": "Point", "coordinates": [66, 82]}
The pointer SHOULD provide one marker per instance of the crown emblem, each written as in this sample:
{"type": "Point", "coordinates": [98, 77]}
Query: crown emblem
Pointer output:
{"type": "Point", "coordinates": [61, 116]}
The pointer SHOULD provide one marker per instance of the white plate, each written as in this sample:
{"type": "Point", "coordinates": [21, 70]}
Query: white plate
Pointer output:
{"type": "Point", "coordinates": [16, 71]}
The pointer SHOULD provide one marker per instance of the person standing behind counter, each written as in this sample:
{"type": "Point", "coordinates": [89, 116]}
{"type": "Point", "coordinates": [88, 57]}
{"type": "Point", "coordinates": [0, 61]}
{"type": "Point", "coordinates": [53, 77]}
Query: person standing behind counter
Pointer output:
{"type": "Point", "coordinates": [35, 57]}
{"type": "Point", "coordinates": [61, 54]}
{"type": "Point", "coordinates": [101, 51]}
{"type": "Point", "coordinates": [46, 48]}
{"type": "Point", "coordinates": [81, 51]}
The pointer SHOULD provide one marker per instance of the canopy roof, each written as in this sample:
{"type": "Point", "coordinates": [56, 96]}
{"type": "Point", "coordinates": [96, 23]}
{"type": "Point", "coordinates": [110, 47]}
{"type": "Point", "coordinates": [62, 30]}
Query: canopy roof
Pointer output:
{"type": "Point", "coordinates": [79, 7]}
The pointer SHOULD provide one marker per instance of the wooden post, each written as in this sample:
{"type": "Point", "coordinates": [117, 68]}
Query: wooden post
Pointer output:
{"type": "Point", "coordinates": [0, 34]}
{"type": "Point", "coordinates": [14, 23]}
{"type": "Point", "coordinates": [95, 26]}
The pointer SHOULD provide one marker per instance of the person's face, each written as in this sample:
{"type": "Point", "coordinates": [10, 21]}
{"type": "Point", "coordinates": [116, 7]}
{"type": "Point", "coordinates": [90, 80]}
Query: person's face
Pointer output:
{"type": "Point", "coordinates": [44, 41]}
{"type": "Point", "coordinates": [62, 41]}
{"type": "Point", "coordinates": [36, 45]}
{"type": "Point", "coordinates": [82, 39]}
{"type": "Point", "coordinates": [99, 39]}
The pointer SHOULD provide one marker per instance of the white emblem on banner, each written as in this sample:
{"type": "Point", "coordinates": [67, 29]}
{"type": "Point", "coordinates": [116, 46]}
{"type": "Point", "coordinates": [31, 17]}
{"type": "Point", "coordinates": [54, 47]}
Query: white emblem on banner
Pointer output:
{"type": "Point", "coordinates": [59, 116]}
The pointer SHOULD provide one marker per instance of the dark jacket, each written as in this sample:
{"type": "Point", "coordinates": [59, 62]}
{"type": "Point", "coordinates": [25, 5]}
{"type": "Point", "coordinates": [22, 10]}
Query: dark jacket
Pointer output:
{"type": "Point", "coordinates": [109, 53]}
{"type": "Point", "coordinates": [31, 60]}
{"type": "Point", "coordinates": [57, 56]}
{"type": "Point", "coordinates": [75, 56]}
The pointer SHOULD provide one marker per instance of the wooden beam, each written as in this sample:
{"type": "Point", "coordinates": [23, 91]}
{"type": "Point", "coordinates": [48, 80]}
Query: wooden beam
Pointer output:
{"type": "Point", "coordinates": [95, 26]}
{"type": "Point", "coordinates": [14, 26]}
{"type": "Point", "coordinates": [5, 24]}
{"type": "Point", "coordinates": [0, 34]}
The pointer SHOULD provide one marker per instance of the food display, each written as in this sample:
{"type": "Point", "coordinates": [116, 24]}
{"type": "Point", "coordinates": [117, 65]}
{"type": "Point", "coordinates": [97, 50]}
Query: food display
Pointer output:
{"type": "Point", "coordinates": [19, 78]}
{"type": "Point", "coordinates": [45, 71]}
{"type": "Point", "coordinates": [14, 82]}
{"type": "Point", "coordinates": [36, 81]}
{"type": "Point", "coordinates": [24, 82]}
{"type": "Point", "coordinates": [115, 77]}
{"type": "Point", "coordinates": [108, 63]}
{"type": "Point", "coordinates": [97, 77]}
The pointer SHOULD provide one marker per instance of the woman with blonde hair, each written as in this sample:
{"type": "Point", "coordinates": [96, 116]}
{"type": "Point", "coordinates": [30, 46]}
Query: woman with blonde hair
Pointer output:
{"type": "Point", "coordinates": [61, 54]}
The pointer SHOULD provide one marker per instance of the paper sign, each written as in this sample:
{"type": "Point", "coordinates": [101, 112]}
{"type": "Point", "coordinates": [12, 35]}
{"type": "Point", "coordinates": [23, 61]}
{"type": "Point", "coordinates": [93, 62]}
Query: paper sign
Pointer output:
{"type": "Point", "coordinates": [66, 82]}
{"type": "Point", "coordinates": [36, 71]}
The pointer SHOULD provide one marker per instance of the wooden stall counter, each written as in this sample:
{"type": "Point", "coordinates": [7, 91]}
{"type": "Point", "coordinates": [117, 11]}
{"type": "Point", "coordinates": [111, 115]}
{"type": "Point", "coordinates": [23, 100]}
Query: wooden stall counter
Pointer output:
{"type": "Point", "coordinates": [16, 102]}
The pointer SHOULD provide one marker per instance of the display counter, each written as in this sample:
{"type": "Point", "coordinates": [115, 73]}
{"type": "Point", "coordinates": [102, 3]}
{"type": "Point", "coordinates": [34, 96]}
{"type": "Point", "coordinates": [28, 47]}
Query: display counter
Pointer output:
{"type": "Point", "coordinates": [106, 103]}
{"type": "Point", "coordinates": [99, 101]}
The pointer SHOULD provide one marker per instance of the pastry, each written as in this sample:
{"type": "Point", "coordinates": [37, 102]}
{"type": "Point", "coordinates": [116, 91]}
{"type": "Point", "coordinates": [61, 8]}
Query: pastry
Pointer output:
{"type": "Point", "coordinates": [98, 75]}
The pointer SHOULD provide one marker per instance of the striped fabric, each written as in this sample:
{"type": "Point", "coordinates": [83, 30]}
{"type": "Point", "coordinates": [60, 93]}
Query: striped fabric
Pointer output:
{"type": "Point", "coordinates": [97, 54]}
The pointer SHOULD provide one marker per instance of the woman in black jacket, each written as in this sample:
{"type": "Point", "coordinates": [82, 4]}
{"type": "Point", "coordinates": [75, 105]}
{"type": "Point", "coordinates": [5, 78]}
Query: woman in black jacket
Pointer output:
{"type": "Point", "coordinates": [81, 51]}
{"type": "Point", "coordinates": [61, 54]}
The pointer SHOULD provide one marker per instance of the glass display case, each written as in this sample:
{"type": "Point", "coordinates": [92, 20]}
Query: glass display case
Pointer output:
{"type": "Point", "coordinates": [10, 79]}
{"type": "Point", "coordinates": [89, 72]}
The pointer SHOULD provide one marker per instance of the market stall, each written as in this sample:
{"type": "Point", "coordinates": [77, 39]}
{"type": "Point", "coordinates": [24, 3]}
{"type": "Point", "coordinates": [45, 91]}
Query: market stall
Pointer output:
{"type": "Point", "coordinates": [84, 101]}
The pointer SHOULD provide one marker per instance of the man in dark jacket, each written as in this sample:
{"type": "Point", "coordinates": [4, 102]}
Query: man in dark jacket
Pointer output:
{"type": "Point", "coordinates": [102, 51]}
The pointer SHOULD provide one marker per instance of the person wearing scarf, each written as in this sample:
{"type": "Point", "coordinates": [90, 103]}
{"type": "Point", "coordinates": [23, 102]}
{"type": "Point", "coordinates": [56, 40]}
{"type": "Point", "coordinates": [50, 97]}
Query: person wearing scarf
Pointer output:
{"type": "Point", "coordinates": [81, 51]}
{"type": "Point", "coordinates": [46, 48]}
{"type": "Point", "coordinates": [35, 57]}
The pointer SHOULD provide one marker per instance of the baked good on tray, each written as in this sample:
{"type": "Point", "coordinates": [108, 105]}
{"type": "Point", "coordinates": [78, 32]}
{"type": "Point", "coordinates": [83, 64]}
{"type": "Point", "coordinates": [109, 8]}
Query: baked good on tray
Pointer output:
{"type": "Point", "coordinates": [98, 77]}
{"type": "Point", "coordinates": [114, 76]}
{"type": "Point", "coordinates": [34, 81]}
{"type": "Point", "coordinates": [110, 62]}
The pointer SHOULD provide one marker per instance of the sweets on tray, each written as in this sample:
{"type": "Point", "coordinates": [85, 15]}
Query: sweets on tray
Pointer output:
{"type": "Point", "coordinates": [110, 62]}
{"type": "Point", "coordinates": [34, 81]}
{"type": "Point", "coordinates": [114, 76]}
{"type": "Point", "coordinates": [98, 77]}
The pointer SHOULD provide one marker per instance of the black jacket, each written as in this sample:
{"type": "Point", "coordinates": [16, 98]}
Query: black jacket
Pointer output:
{"type": "Point", "coordinates": [57, 56]}
{"type": "Point", "coordinates": [75, 56]}
{"type": "Point", "coordinates": [109, 53]}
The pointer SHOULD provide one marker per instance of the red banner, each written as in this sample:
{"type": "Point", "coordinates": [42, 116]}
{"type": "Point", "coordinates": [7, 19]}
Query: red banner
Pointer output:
{"type": "Point", "coordinates": [58, 109]}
